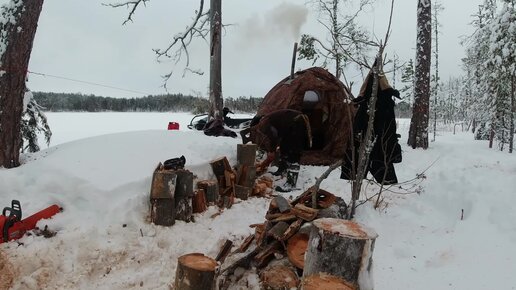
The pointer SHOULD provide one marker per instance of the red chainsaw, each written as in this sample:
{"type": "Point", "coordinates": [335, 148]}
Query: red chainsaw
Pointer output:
{"type": "Point", "coordinates": [12, 227]}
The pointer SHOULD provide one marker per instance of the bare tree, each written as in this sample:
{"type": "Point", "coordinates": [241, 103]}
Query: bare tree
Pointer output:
{"type": "Point", "coordinates": [418, 133]}
{"type": "Point", "coordinates": [177, 50]}
{"type": "Point", "coordinates": [18, 24]}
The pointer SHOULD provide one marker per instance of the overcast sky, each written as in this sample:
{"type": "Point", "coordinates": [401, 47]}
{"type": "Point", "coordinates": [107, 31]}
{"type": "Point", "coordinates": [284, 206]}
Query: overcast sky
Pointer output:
{"type": "Point", "coordinates": [84, 40]}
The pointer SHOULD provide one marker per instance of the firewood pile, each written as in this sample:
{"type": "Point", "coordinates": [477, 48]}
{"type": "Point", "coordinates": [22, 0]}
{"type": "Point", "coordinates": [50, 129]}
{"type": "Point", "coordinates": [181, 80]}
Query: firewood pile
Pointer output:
{"type": "Point", "coordinates": [278, 246]}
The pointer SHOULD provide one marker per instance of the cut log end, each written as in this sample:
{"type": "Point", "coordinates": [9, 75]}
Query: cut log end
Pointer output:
{"type": "Point", "coordinates": [296, 249]}
{"type": "Point", "coordinates": [345, 228]}
{"type": "Point", "coordinates": [322, 281]}
{"type": "Point", "coordinates": [279, 278]}
{"type": "Point", "coordinates": [198, 262]}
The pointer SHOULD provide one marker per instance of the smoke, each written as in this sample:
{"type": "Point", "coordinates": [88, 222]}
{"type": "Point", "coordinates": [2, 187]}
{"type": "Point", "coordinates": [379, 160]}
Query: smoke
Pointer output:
{"type": "Point", "coordinates": [283, 21]}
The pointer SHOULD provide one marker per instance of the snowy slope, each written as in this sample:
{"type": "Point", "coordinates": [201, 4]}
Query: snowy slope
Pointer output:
{"type": "Point", "coordinates": [103, 183]}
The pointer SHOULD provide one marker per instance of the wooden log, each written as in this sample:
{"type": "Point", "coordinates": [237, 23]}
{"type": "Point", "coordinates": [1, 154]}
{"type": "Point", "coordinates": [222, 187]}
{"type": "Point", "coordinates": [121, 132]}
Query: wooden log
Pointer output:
{"type": "Point", "coordinates": [211, 190]}
{"type": "Point", "coordinates": [268, 181]}
{"type": "Point", "coordinates": [183, 195]}
{"type": "Point", "coordinates": [323, 281]}
{"type": "Point", "coordinates": [296, 249]}
{"type": "Point", "coordinates": [246, 154]}
{"type": "Point", "coordinates": [246, 175]}
{"type": "Point", "coordinates": [162, 202]}
{"type": "Point", "coordinates": [280, 204]}
{"type": "Point", "coordinates": [292, 229]}
{"type": "Point", "coordinates": [265, 255]}
{"type": "Point", "coordinates": [279, 278]}
{"type": "Point", "coordinates": [220, 165]}
{"type": "Point", "coordinates": [246, 243]}
{"type": "Point", "coordinates": [242, 192]}
{"type": "Point", "coordinates": [278, 230]}
{"type": "Point", "coordinates": [230, 178]}
{"type": "Point", "coordinates": [341, 248]}
{"type": "Point", "coordinates": [199, 201]}
{"type": "Point", "coordinates": [224, 251]}
{"type": "Point", "coordinates": [195, 271]}
{"type": "Point", "coordinates": [304, 212]}
{"type": "Point", "coordinates": [324, 198]}
{"type": "Point", "coordinates": [285, 217]}
{"type": "Point", "coordinates": [339, 210]}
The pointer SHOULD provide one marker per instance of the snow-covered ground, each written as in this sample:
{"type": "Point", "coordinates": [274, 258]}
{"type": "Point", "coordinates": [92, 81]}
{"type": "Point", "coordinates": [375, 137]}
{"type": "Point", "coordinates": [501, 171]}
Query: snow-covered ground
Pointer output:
{"type": "Point", "coordinates": [99, 170]}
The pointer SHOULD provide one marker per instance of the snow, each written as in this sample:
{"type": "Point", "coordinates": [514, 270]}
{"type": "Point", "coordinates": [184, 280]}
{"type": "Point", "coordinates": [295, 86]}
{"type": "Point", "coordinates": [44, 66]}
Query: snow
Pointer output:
{"type": "Point", "coordinates": [99, 170]}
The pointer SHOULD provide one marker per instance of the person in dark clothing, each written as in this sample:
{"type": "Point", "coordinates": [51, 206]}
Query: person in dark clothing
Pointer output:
{"type": "Point", "coordinates": [386, 149]}
{"type": "Point", "coordinates": [284, 131]}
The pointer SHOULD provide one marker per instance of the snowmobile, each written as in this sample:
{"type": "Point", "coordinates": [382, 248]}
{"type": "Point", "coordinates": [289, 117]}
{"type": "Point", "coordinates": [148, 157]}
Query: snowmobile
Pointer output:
{"type": "Point", "coordinates": [199, 121]}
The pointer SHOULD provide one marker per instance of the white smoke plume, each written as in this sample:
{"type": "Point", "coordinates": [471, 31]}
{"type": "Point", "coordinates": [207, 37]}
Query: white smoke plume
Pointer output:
{"type": "Point", "coordinates": [283, 21]}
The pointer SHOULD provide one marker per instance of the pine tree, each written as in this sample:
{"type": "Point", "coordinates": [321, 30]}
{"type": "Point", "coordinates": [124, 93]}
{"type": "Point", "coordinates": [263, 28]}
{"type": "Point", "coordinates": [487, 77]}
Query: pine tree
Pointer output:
{"type": "Point", "coordinates": [407, 79]}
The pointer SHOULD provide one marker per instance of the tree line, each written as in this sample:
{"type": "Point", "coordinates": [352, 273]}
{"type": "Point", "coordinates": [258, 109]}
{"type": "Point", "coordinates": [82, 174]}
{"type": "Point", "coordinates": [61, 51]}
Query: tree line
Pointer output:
{"type": "Point", "coordinates": [60, 102]}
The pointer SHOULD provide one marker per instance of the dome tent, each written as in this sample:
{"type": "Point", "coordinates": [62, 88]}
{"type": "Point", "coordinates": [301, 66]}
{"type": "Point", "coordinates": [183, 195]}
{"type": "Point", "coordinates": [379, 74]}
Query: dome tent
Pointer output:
{"type": "Point", "coordinates": [327, 103]}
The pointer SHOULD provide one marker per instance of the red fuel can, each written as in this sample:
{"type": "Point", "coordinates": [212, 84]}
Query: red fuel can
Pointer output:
{"type": "Point", "coordinates": [173, 126]}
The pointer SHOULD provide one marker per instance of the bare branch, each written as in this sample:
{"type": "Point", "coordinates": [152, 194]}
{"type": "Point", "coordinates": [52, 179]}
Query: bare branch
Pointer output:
{"type": "Point", "coordinates": [129, 4]}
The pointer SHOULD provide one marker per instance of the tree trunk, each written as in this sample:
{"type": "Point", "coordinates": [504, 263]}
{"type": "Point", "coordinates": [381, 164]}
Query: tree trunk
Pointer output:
{"type": "Point", "coordinates": [216, 101]}
{"type": "Point", "coordinates": [341, 248]}
{"type": "Point", "coordinates": [418, 133]}
{"type": "Point", "coordinates": [512, 111]}
{"type": "Point", "coordinates": [18, 36]}
{"type": "Point", "coordinates": [195, 272]}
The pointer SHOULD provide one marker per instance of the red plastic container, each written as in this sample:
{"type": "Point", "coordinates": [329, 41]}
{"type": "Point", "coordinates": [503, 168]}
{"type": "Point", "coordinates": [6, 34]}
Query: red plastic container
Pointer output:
{"type": "Point", "coordinates": [173, 126]}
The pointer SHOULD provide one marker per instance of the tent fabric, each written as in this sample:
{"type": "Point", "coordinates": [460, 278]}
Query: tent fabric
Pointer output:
{"type": "Point", "coordinates": [330, 115]}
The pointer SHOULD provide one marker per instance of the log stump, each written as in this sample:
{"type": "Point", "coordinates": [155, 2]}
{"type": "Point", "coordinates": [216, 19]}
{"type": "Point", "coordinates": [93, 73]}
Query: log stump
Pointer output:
{"type": "Point", "coordinates": [211, 190]}
{"type": "Point", "coordinates": [279, 278]}
{"type": "Point", "coordinates": [162, 202]}
{"type": "Point", "coordinates": [341, 248]}
{"type": "Point", "coordinates": [323, 281]}
{"type": "Point", "coordinates": [242, 192]}
{"type": "Point", "coordinates": [195, 271]}
{"type": "Point", "coordinates": [199, 204]}
{"type": "Point", "coordinates": [183, 195]}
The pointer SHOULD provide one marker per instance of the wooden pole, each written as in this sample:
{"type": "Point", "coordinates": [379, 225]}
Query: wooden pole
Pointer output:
{"type": "Point", "coordinates": [293, 67]}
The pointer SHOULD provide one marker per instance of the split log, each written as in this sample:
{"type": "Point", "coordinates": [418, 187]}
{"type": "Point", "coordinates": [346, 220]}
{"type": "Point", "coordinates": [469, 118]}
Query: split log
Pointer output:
{"type": "Point", "coordinates": [341, 248]}
{"type": "Point", "coordinates": [279, 278]}
{"type": "Point", "coordinates": [183, 195]}
{"type": "Point", "coordinates": [324, 198]}
{"type": "Point", "coordinates": [279, 203]}
{"type": "Point", "coordinates": [304, 212]}
{"type": "Point", "coordinates": [339, 210]}
{"type": "Point", "coordinates": [246, 154]}
{"type": "Point", "coordinates": [224, 251]}
{"type": "Point", "coordinates": [211, 190]}
{"type": "Point", "coordinates": [163, 209]}
{"type": "Point", "coordinates": [195, 271]}
{"type": "Point", "coordinates": [199, 201]}
{"type": "Point", "coordinates": [220, 165]}
{"type": "Point", "coordinates": [285, 217]}
{"type": "Point", "coordinates": [230, 178]}
{"type": "Point", "coordinates": [260, 189]}
{"type": "Point", "coordinates": [265, 255]}
{"type": "Point", "coordinates": [278, 230]}
{"type": "Point", "coordinates": [246, 175]}
{"type": "Point", "coordinates": [246, 243]}
{"type": "Point", "coordinates": [323, 281]}
{"type": "Point", "coordinates": [268, 181]}
{"type": "Point", "coordinates": [292, 229]}
{"type": "Point", "coordinates": [296, 249]}
{"type": "Point", "coordinates": [242, 192]}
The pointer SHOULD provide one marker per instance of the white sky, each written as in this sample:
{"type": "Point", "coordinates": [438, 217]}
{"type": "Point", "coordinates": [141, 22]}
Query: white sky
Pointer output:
{"type": "Point", "coordinates": [86, 41]}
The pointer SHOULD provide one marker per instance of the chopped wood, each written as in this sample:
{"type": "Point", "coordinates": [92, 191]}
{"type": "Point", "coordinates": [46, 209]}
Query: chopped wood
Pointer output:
{"type": "Point", "coordinates": [242, 192]}
{"type": "Point", "coordinates": [279, 277]}
{"type": "Point", "coordinates": [244, 262]}
{"type": "Point", "coordinates": [284, 217]}
{"type": "Point", "coordinates": [163, 184]}
{"type": "Point", "coordinates": [230, 178]}
{"type": "Point", "coordinates": [183, 195]}
{"type": "Point", "coordinates": [323, 281]}
{"type": "Point", "coordinates": [296, 249]}
{"type": "Point", "coordinates": [224, 251]}
{"type": "Point", "coordinates": [260, 189]}
{"type": "Point", "coordinates": [162, 211]}
{"type": "Point", "coordinates": [259, 233]}
{"type": "Point", "coordinates": [220, 165]}
{"type": "Point", "coordinates": [266, 254]}
{"type": "Point", "coordinates": [280, 203]}
{"type": "Point", "coordinates": [324, 198]}
{"type": "Point", "coordinates": [292, 229]}
{"type": "Point", "coordinates": [246, 243]}
{"type": "Point", "coordinates": [211, 190]}
{"type": "Point", "coordinates": [271, 216]}
{"type": "Point", "coordinates": [304, 212]}
{"type": "Point", "coordinates": [246, 154]}
{"type": "Point", "coordinates": [246, 175]}
{"type": "Point", "coordinates": [267, 180]}
{"type": "Point", "coordinates": [278, 230]}
{"type": "Point", "coordinates": [199, 201]}
{"type": "Point", "coordinates": [222, 183]}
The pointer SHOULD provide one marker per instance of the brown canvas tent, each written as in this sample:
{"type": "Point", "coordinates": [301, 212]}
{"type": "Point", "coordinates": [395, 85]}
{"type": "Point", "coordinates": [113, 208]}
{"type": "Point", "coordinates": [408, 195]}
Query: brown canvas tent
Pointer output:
{"type": "Point", "coordinates": [326, 102]}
